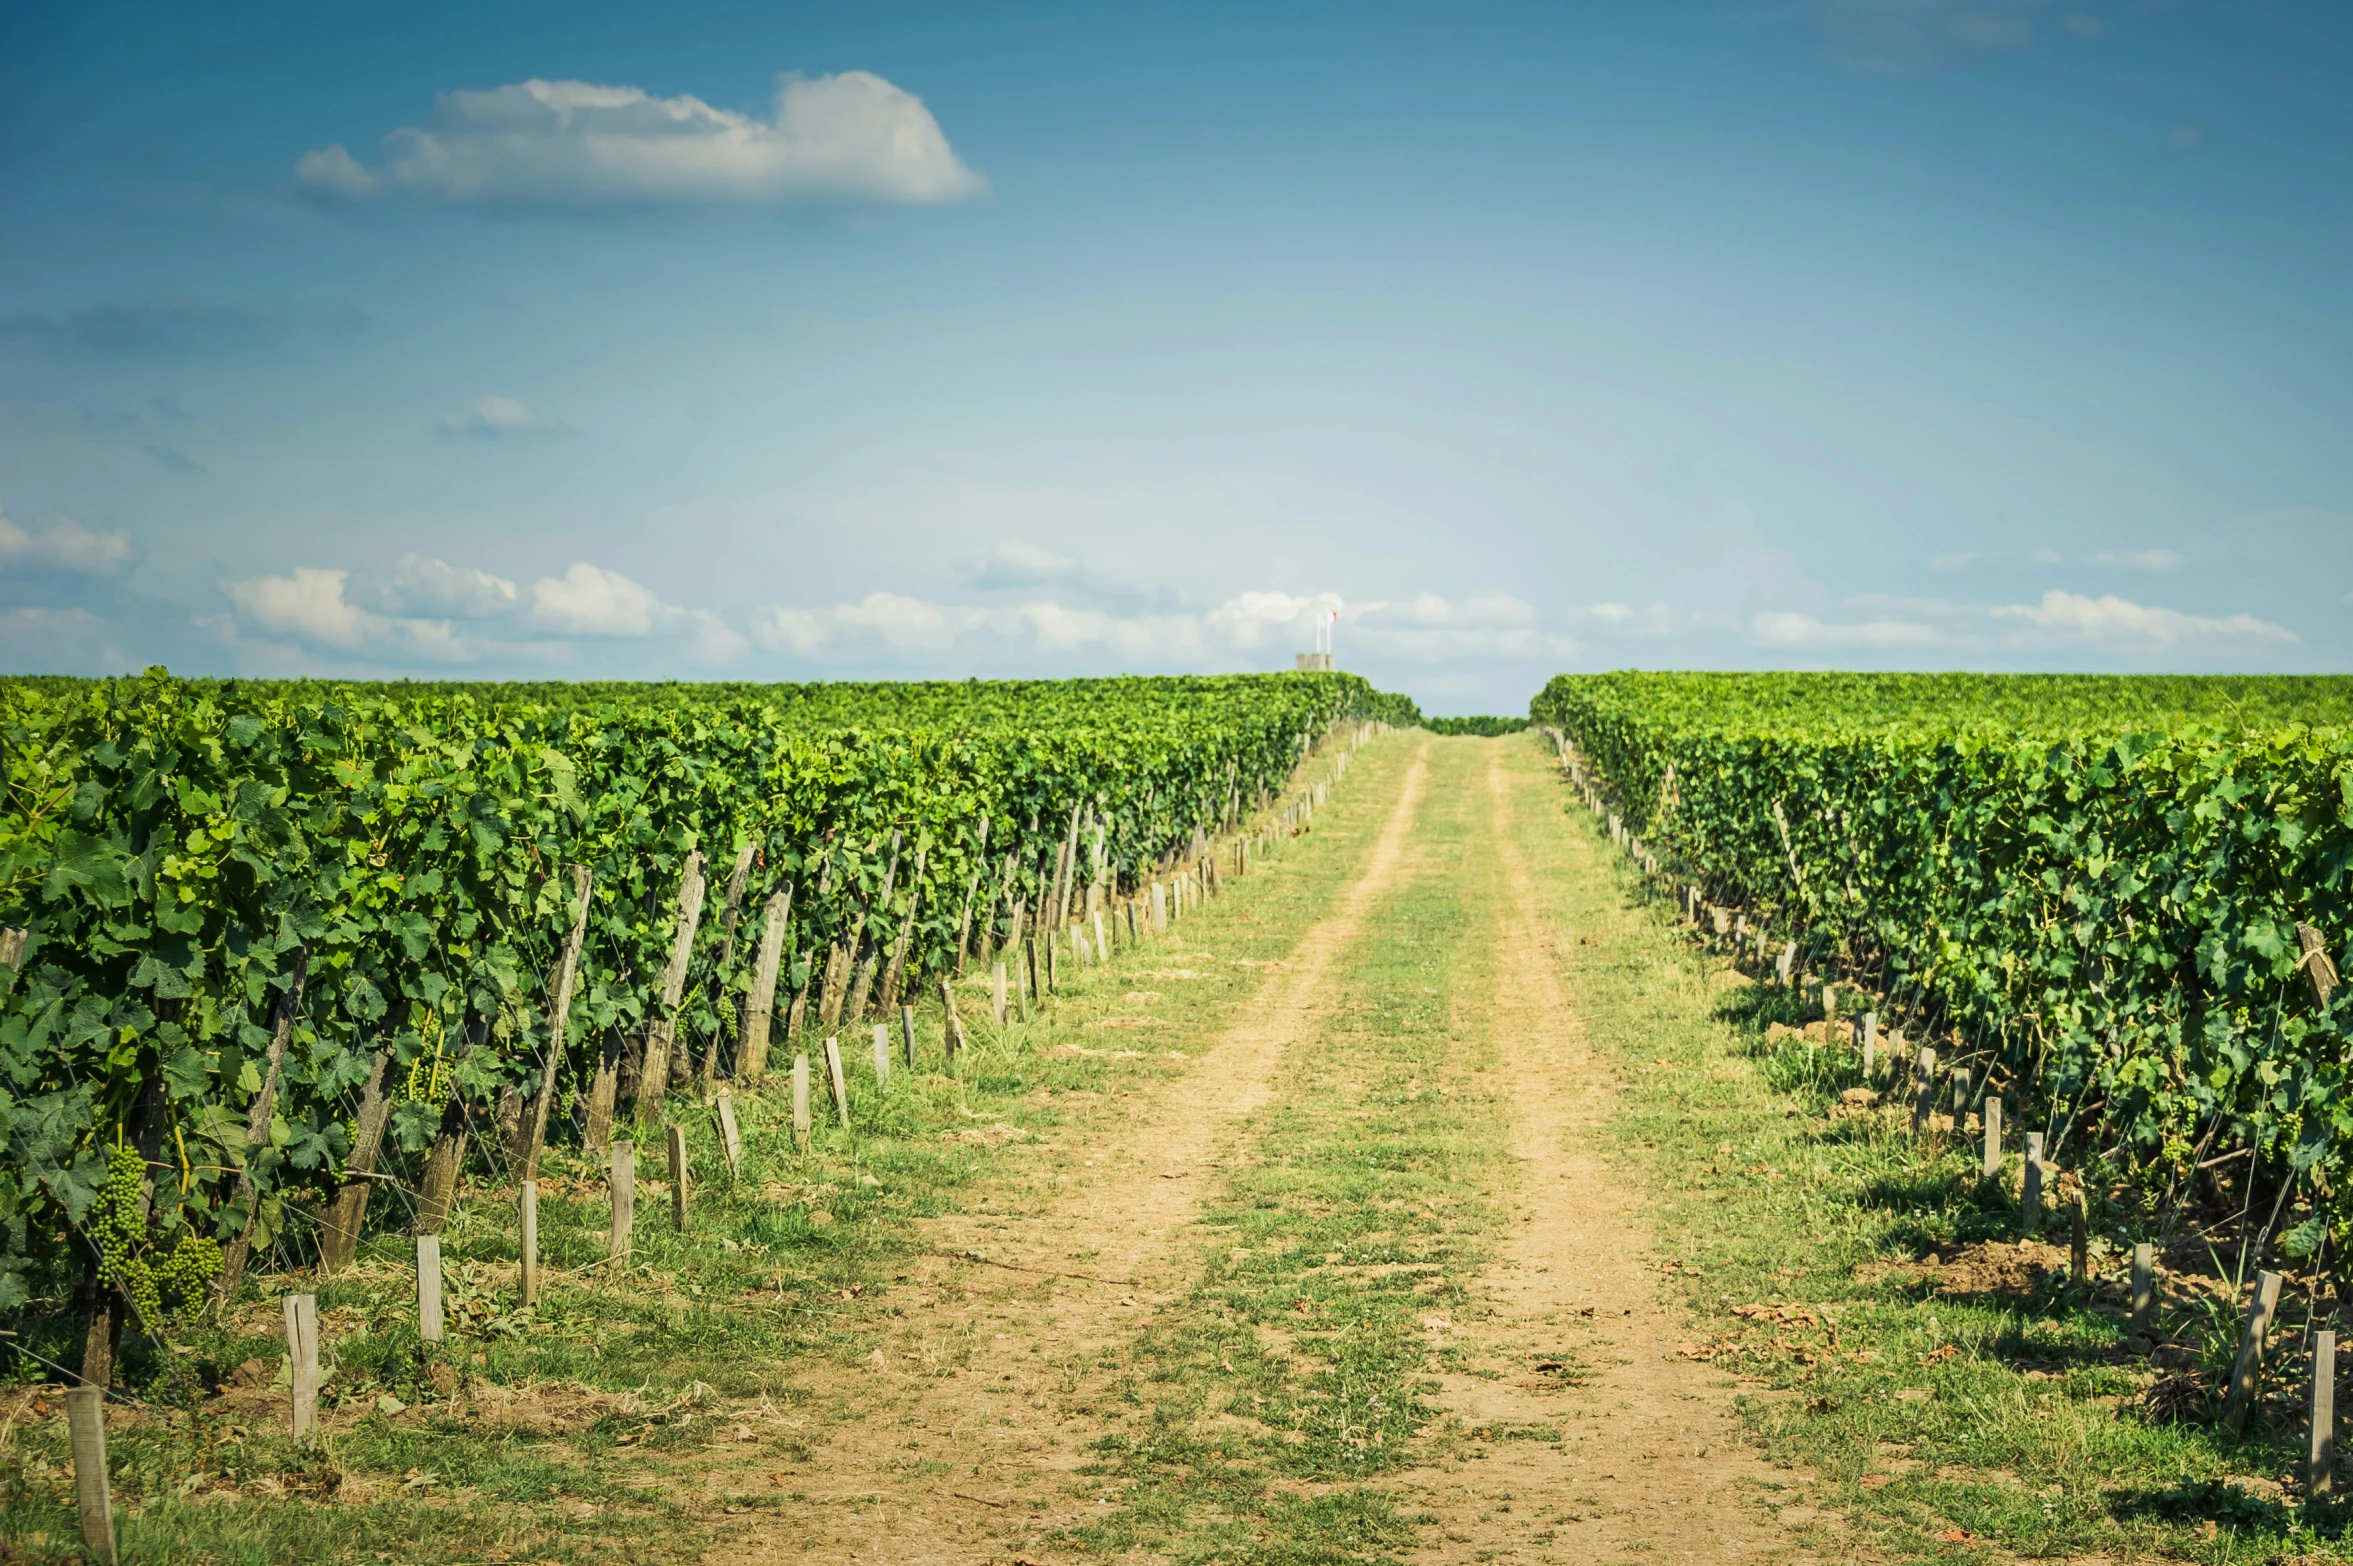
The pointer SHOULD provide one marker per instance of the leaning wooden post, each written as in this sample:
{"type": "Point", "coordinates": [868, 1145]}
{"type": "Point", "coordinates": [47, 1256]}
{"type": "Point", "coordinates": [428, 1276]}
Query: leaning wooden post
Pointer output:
{"type": "Point", "coordinates": [2079, 1240]}
{"type": "Point", "coordinates": [302, 1363]}
{"type": "Point", "coordinates": [429, 1287]}
{"type": "Point", "coordinates": [530, 1246]}
{"type": "Point", "coordinates": [951, 1025]}
{"type": "Point", "coordinates": [2144, 1287]}
{"type": "Point", "coordinates": [1993, 1136]}
{"type": "Point", "coordinates": [85, 1419]}
{"type": "Point", "coordinates": [653, 1081]}
{"type": "Point", "coordinates": [678, 1178]}
{"type": "Point", "coordinates": [2314, 960]}
{"type": "Point", "coordinates": [760, 1005]}
{"type": "Point", "coordinates": [801, 1099]}
{"type": "Point", "coordinates": [730, 1135]}
{"type": "Point", "coordinates": [730, 911]}
{"type": "Point", "coordinates": [2320, 1456]}
{"type": "Point", "coordinates": [1924, 1101]}
{"type": "Point", "coordinates": [840, 1083]}
{"type": "Point", "coordinates": [2247, 1373]}
{"type": "Point", "coordinates": [2030, 1188]}
{"type": "Point", "coordinates": [907, 1033]}
{"type": "Point", "coordinates": [559, 1017]}
{"type": "Point", "coordinates": [624, 1184]}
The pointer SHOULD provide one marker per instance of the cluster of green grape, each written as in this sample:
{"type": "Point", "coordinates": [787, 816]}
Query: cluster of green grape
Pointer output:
{"type": "Point", "coordinates": [120, 1232]}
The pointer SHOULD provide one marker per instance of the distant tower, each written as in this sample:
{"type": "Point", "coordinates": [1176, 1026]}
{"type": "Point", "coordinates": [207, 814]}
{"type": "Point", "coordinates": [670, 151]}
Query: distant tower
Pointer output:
{"type": "Point", "coordinates": [1320, 661]}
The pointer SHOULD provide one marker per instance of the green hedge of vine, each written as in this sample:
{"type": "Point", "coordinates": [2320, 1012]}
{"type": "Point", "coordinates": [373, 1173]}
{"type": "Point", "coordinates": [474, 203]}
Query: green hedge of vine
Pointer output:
{"type": "Point", "coordinates": [2095, 882]}
{"type": "Point", "coordinates": [168, 846]}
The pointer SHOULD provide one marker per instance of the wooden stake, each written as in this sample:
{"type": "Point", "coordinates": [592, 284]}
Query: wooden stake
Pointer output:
{"type": "Point", "coordinates": [2079, 1241]}
{"type": "Point", "coordinates": [2144, 1287]}
{"type": "Point", "coordinates": [2314, 960]}
{"type": "Point", "coordinates": [429, 1287]}
{"type": "Point", "coordinates": [801, 1099]}
{"type": "Point", "coordinates": [882, 1055]}
{"type": "Point", "coordinates": [339, 1229]}
{"type": "Point", "coordinates": [530, 1213]}
{"type": "Point", "coordinates": [1924, 1101]}
{"type": "Point", "coordinates": [2247, 1372]}
{"type": "Point", "coordinates": [85, 1419]}
{"type": "Point", "coordinates": [624, 1183]}
{"type": "Point", "coordinates": [760, 1005]}
{"type": "Point", "coordinates": [907, 1033]}
{"type": "Point", "coordinates": [559, 1020]}
{"type": "Point", "coordinates": [951, 1025]}
{"type": "Point", "coordinates": [2030, 1194]}
{"type": "Point", "coordinates": [661, 1033]}
{"type": "Point", "coordinates": [1993, 1137]}
{"type": "Point", "coordinates": [730, 1135]}
{"type": "Point", "coordinates": [997, 994]}
{"type": "Point", "coordinates": [841, 1085]}
{"type": "Point", "coordinates": [302, 1363]}
{"type": "Point", "coordinates": [2320, 1456]}
{"type": "Point", "coordinates": [678, 1178]}
{"type": "Point", "coordinates": [1829, 1007]}
{"type": "Point", "coordinates": [1870, 1045]}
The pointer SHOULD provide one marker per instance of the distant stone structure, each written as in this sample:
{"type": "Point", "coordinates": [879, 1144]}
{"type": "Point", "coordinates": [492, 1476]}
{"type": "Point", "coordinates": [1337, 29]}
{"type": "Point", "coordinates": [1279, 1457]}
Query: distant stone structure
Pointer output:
{"type": "Point", "coordinates": [1317, 663]}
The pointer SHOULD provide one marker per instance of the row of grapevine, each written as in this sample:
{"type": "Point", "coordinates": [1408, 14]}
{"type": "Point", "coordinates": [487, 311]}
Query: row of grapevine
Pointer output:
{"type": "Point", "coordinates": [2092, 886]}
{"type": "Point", "coordinates": [256, 930]}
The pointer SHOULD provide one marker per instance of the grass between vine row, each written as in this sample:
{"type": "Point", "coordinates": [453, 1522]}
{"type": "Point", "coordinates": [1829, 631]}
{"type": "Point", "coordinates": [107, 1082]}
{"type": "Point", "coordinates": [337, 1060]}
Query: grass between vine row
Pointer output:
{"type": "Point", "coordinates": [1257, 1416]}
{"type": "Point", "coordinates": [545, 1434]}
{"type": "Point", "coordinates": [1949, 1426]}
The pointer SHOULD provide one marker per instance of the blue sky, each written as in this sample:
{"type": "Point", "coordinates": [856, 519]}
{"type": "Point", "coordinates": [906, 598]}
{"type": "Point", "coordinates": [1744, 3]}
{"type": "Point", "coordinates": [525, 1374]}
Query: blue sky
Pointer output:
{"type": "Point", "coordinates": [792, 341]}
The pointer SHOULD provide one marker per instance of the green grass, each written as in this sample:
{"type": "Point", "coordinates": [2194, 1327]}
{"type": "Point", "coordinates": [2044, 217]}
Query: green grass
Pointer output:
{"type": "Point", "coordinates": [1263, 1408]}
{"type": "Point", "coordinates": [2010, 1419]}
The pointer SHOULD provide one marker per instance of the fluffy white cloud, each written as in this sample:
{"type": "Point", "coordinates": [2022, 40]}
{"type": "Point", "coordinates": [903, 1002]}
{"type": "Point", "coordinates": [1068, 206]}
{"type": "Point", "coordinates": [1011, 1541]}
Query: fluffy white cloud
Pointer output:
{"type": "Point", "coordinates": [588, 600]}
{"type": "Point", "coordinates": [427, 609]}
{"type": "Point", "coordinates": [2109, 618]}
{"type": "Point", "coordinates": [1787, 629]}
{"type": "Point", "coordinates": [64, 545]}
{"type": "Point", "coordinates": [2156, 561]}
{"type": "Point", "coordinates": [309, 606]}
{"type": "Point", "coordinates": [851, 137]}
{"type": "Point", "coordinates": [420, 585]}
{"type": "Point", "coordinates": [492, 417]}
{"type": "Point", "coordinates": [1260, 626]}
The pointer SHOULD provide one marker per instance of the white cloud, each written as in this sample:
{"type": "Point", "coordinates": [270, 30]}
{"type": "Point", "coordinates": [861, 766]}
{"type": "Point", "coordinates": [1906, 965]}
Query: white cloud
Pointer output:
{"type": "Point", "coordinates": [309, 606]}
{"type": "Point", "coordinates": [1786, 629]}
{"type": "Point", "coordinates": [65, 545]}
{"type": "Point", "coordinates": [591, 601]}
{"type": "Point", "coordinates": [425, 586]}
{"type": "Point", "coordinates": [1260, 626]}
{"type": "Point", "coordinates": [2046, 557]}
{"type": "Point", "coordinates": [851, 137]}
{"type": "Point", "coordinates": [1954, 562]}
{"type": "Point", "coordinates": [2156, 561]}
{"type": "Point", "coordinates": [2109, 618]}
{"type": "Point", "coordinates": [492, 417]}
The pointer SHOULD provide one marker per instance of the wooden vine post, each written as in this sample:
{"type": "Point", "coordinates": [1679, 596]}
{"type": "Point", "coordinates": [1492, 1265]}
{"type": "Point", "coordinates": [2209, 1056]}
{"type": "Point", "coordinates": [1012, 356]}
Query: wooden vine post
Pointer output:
{"type": "Point", "coordinates": [85, 1421]}
{"type": "Point", "coordinates": [730, 912]}
{"type": "Point", "coordinates": [653, 1082]}
{"type": "Point", "coordinates": [559, 1019]}
{"type": "Point", "coordinates": [760, 1005]}
{"type": "Point", "coordinates": [2247, 1371]}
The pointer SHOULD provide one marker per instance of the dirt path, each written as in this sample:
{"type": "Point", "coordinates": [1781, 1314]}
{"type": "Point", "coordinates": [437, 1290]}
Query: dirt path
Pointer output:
{"type": "Point", "coordinates": [948, 1449]}
{"type": "Point", "coordinates": [1651, 1466]}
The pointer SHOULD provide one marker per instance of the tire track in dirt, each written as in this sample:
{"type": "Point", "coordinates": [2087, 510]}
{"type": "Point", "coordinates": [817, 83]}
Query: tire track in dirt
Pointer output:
{"type": "Point", "coordinates": [952, 1449]}
{"type": "Point", "coordinates": [1652, 1465]}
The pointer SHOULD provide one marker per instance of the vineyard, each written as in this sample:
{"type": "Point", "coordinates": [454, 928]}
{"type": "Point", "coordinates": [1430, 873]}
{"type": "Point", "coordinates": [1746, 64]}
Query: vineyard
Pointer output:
{"type": "Point", "coordinates": [274, 947]}
{"type": "Point", "coordinates": [2118, 902]}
